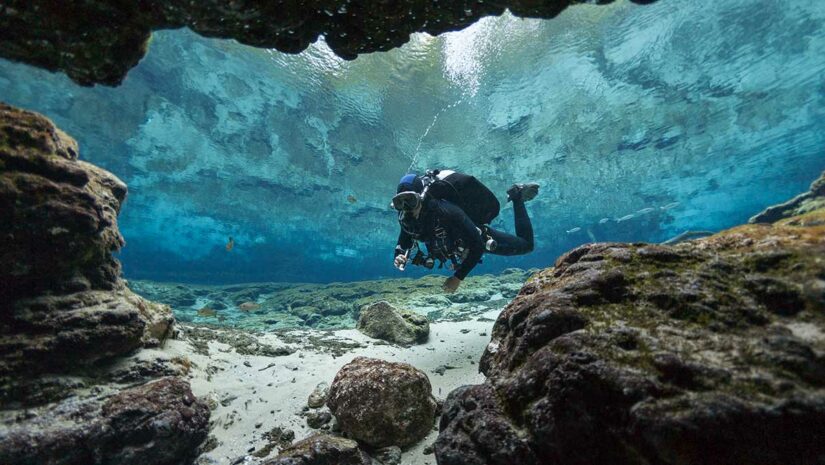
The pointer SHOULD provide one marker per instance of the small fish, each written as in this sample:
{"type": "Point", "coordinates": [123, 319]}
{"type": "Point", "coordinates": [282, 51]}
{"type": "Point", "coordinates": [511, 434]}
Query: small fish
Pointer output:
{"type": "Point", "coordinates": [591, 235]}
{"type": "Point", "coordinates": [604, 220]}
{"type": "Point", "coordinates": [249, 306]}
{"type": "Point", "coordinates": [351, 199]}
{"type": "Point", "coordinates": [230, 244]}
{"type": "Point", "coordinates": [645, 210]}
{"type": "Point", "coordinates": [571, 231]}
{"type": "Point", "coordinates": [669, 206]}
{"type": "Point", "coordinates": [207, 311]}
{"type": "Point", "coordinates": [625, 218]}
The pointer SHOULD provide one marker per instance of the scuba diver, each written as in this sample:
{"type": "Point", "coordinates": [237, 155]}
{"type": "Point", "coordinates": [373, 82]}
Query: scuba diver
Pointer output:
{"type": "Point", "coordinates": [450, 213]}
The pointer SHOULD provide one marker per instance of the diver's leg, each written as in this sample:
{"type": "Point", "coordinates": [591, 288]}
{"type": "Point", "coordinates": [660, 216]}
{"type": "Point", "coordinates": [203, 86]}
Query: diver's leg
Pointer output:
{"type": "Point", "coordinates": [524, 228]}
{"type": "Point", "coordinates": [522, 242]}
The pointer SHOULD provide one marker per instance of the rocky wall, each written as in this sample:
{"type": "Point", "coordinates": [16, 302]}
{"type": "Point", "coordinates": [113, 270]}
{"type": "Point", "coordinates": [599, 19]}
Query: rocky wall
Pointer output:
{"type": "Point", "coordinates": [709, 351]}
{"type": "Point", "coordinates": [62, 301]}
{"type": "Point", "coordinates": [67, 319]}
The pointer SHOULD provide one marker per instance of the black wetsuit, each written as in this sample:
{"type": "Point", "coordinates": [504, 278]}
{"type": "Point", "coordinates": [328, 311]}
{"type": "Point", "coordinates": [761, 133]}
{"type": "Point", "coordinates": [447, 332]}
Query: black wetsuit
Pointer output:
{"type": "Point", "coordinates": [443, 227]}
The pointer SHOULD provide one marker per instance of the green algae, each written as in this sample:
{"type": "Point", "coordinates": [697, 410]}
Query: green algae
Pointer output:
{"type": "Point", "coordinates": [334, 305]}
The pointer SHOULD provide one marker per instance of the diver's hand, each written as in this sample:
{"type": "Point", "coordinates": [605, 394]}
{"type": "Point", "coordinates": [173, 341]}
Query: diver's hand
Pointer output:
{"type": "Point", "coordinates": [451, 284]}
{"type": "Point", "coordinates": [400, 261]}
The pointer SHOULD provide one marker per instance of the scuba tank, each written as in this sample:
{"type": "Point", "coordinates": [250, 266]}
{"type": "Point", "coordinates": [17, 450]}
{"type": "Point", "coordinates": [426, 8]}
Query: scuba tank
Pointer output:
{"type": "Point", "coordinates": [467, 192]}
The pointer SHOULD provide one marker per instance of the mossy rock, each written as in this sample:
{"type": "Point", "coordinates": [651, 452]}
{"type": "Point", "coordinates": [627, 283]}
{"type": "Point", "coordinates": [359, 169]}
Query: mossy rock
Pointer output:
{"type": "Point", "coordinates": [383, 321]}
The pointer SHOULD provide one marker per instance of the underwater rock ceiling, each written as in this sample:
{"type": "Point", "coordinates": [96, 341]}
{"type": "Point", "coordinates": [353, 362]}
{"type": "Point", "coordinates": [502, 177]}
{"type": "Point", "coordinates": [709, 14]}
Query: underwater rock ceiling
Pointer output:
{"type": "Point", "coordinates": [639, 122]}
{"type": "Point", "coordinates": [99, 41]}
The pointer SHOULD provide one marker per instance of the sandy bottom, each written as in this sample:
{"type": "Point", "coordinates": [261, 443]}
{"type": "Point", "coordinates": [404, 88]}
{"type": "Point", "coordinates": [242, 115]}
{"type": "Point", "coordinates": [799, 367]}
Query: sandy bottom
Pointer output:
{"type": "Point", "coordinates": [254, 394]}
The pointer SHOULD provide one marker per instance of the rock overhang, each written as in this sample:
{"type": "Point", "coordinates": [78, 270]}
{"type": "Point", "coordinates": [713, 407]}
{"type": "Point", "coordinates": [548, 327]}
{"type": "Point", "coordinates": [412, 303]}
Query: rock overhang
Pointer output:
{"type": "Point", "coordinates": [98, 42]}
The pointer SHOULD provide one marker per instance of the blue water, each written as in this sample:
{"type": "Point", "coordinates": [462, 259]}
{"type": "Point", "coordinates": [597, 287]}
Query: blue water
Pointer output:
{"type": "Point", "coordinates": [640, 122]}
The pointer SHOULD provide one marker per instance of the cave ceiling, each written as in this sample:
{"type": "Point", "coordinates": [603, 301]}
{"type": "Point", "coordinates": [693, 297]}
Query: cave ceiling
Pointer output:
{"type": "Point", "coordinates": [98, 42]}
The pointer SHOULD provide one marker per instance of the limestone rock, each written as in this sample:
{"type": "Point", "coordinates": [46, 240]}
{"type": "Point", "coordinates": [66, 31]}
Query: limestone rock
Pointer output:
{"type": "Point", "coordinates": [67, 318]}
{"type": "Point", "coordinates": [58, 215]}
{"type": "Point", "coordinates": [322, 449]}
{"type": "Point", "coordinates": [98, 41]}
{"type": "Point", "coordinates": [318, 418]}
{"type": "Point", "coordinates": [318, 396]}
{"type": "Point", "coordinates": [383, 321]}
{"type": "Point", "coordinates": [709, 351]}
{"type": "Point", "coordinates": [62, 301]}
{"type": "Point", "coordinates": [388, 455]}
{"type": "Point", "coordinates": [382, 403]}
{"type": "Point", "coordinates": [809, 201]}
{"type": "Point", "coordinates": [159, 423]}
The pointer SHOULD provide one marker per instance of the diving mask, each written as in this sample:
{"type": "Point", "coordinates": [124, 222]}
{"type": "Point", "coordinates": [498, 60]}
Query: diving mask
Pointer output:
{"type": "Point", "coordinates": [406, 201]}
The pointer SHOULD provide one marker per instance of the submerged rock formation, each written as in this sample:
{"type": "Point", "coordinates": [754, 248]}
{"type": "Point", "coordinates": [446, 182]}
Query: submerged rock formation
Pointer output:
{"type": "Point", "coordinates": [292, 305]}
{"type": "Point", "coordinates": [63, 303]}
{"type": "Point", "coordinates": [98, 42]}
{"type": "Point", "coordinates": [709, 351]}
{"type": "Point", "coordinates": [382, 403]}
{"type": "Point", "coordinates": [159, 423]}
{"type": "Point", "coordinates": [66, 316]}
{"type": "Point", "coordinates": [383, 321]}
{"type": "Point", "coordinates": [322, 449]}
{"type": "Point", "coordinates": [807, 202]}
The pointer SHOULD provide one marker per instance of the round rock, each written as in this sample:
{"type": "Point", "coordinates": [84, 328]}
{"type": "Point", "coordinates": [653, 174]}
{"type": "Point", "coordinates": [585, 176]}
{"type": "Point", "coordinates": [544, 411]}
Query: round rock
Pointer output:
{"type": "Point", "coordinates": [318, 396]}
{"type": "Point", "coordinates": [382, 403]}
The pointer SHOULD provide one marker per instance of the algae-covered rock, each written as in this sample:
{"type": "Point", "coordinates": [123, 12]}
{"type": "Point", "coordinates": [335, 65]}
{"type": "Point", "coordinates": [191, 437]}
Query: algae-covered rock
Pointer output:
{"type": "Point", "coordinates": [333, 305]}
{"type": "Point", "coordinates": [322, 449]}
{"type": "Point", "coordinates": [383, 321]}
{"type": "Point", "coordinates": [807, 202]}
{"type": "Point", "coordinates": [382, 403]}
{"type": "Point", "coordinates": [709, 351]}
{"type": "Point", "coordinates": [159, 422]}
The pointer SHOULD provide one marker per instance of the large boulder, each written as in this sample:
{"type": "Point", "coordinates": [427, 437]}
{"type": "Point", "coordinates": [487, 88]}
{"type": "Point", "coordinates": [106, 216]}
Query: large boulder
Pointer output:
{"type": "Point", "coordinates": [381, 320]}
{"type": "Point", "coordinates": [322, 449]}
{"type": "Point", "coordinates": [382, 403]}
{"type": "Point", "coordinates": [709, 351]}
{"type": "Point", "coordinates": [160, 423]}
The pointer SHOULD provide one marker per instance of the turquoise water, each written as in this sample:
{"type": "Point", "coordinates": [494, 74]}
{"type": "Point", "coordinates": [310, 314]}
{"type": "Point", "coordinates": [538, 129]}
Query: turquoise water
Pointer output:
{"type": "Point", "coordinates": [640, 122]}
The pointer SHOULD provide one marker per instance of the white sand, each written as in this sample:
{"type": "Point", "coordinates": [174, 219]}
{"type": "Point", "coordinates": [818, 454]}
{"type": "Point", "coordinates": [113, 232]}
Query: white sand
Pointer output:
{"type": "Point", "coordinates": [274, 396]}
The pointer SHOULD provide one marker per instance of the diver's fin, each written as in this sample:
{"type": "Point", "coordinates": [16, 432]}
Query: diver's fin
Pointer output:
{"type": "Point", "coordinates": [527, 191]}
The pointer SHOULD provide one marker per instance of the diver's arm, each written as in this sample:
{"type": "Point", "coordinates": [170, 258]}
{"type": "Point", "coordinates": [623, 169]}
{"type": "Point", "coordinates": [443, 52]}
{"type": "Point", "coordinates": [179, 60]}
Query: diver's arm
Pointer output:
{"type": "Point", "coordinates": [469, 234]}
{"type": "Point", "coordinates": [405, 243]}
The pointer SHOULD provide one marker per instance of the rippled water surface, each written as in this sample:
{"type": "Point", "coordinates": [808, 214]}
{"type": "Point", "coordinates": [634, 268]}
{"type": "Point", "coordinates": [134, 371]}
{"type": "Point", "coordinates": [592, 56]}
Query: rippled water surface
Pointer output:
{"type": "Point", "coordinates": [640, 122]}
